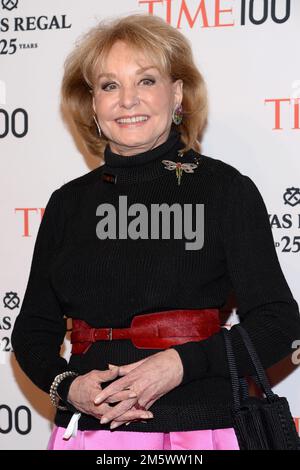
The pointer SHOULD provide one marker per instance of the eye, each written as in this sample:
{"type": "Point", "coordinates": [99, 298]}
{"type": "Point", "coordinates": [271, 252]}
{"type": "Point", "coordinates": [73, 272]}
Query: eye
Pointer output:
{"type": "Point", "coordinates": [148, 80]}
{"type": "Point", "coordinates": [107, 86]}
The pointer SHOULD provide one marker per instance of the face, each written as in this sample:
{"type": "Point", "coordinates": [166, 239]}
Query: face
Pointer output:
{"type": "Point", "coordinates": [126, 91]}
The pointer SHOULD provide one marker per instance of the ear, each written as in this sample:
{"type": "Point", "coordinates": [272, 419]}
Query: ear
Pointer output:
{"type": "Point", "coordinates": [178, 91]}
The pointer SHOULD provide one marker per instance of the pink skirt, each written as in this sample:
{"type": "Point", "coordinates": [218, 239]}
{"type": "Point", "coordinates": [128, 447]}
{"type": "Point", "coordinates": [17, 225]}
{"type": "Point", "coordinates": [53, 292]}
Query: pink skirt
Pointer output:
{"type": "Point", "coordinates": [208, 439]}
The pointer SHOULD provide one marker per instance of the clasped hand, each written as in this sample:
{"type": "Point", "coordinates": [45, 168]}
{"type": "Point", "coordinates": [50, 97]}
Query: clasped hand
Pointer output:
{"type": "Point", "coordinates": [141, 383]}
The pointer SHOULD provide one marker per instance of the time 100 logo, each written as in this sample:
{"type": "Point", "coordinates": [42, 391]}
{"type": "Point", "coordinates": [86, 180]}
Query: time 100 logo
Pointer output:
{"type": "Point", "coordinates": [15, 122]}
{"type": "Point", "coordinates": [18, 420]}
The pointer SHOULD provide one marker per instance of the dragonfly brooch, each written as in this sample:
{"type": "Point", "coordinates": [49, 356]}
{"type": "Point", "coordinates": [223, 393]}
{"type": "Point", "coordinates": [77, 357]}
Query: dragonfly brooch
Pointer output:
{"type": "Point", "coordinates": [179, 167]}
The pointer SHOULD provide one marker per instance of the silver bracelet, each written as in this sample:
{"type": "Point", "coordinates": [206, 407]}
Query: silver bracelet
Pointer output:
{"type": "Point", "coordinates": [54, 397]}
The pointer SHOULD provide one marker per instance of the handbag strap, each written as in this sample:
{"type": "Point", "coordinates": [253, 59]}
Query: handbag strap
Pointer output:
{"type": "Point", "coordinates": [241, 383]}
{"type": "Point", "coordinates": [260, 372]}
{"type": "Point", "coordinates": [232, 369]}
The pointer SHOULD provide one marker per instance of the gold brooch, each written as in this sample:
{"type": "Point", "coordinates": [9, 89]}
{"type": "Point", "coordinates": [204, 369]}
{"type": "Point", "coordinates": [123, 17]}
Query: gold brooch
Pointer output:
{"type": "Point", "coordinates": [179, 167]}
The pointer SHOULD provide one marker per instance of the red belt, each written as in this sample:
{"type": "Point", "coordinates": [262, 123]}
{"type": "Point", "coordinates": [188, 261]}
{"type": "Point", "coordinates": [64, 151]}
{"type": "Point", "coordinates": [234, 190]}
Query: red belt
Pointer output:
{"type": "Point", "coordinates": [157, 330]}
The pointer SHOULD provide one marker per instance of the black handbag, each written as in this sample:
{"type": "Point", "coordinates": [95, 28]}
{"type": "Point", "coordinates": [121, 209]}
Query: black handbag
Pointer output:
{"type": "Point", "coordinates": [260, 423]}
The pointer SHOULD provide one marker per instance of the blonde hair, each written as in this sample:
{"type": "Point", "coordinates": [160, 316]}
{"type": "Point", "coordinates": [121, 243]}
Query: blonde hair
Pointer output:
{"type": "Point", "coordinates": [170, 52]}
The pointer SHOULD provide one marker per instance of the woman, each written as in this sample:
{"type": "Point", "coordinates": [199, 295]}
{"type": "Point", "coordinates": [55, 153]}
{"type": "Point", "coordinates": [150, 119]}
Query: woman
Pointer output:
{"type": "Point", "coordinates": [148, 356]}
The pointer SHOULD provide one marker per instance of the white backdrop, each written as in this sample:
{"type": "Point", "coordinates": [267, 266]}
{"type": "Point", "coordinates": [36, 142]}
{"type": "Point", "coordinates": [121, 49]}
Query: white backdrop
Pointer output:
{"type": "Point", "coordinates": [248, 56]}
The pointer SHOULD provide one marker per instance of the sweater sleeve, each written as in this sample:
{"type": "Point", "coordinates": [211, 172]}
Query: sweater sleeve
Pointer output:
{"type": "Point", "coordinates": [40, 328]}
{"type": "Point", "coordinates": [266, 307]}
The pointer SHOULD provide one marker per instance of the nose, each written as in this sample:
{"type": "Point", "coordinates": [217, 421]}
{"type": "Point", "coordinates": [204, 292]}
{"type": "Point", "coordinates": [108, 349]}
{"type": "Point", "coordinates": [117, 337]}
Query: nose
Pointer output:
{"type": "Point", "coordinates": [128, 96]}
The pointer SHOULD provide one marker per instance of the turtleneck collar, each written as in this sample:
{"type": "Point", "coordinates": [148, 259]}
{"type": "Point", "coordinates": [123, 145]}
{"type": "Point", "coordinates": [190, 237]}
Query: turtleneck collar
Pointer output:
{"type": "Point", "coordinates": [143, 166]}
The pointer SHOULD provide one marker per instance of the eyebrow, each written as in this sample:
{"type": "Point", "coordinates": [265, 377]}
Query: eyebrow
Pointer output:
{"type": "Point", "coordinates": [138, 71]}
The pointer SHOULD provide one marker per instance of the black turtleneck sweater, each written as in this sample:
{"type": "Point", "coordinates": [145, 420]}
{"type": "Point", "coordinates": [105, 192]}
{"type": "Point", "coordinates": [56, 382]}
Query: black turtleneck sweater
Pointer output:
{"type": "Point", "coordinates": [106, 282]}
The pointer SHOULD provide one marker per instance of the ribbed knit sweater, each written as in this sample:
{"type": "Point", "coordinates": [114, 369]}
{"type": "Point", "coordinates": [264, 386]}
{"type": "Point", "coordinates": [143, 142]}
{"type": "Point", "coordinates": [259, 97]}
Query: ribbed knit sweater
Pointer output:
{"type": "Point", "coordinates": [106, 282]}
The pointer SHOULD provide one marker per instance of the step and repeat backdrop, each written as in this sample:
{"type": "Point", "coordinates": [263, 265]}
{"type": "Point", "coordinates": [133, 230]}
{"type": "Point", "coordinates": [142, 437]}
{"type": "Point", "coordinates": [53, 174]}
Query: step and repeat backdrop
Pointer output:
{"type": "Point", "coordinates": [247, 51]}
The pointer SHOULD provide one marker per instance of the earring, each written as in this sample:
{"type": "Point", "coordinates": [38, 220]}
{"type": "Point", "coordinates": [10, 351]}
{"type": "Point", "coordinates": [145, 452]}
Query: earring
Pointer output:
{"type": "Point", "coordinates": [177, 114]}
{"type": "Point", "coordinates": [97, 124]}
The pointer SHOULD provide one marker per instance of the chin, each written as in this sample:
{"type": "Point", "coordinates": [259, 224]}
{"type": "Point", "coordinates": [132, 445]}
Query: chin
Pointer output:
{"type": "Point", "coordinates": [134, 138]}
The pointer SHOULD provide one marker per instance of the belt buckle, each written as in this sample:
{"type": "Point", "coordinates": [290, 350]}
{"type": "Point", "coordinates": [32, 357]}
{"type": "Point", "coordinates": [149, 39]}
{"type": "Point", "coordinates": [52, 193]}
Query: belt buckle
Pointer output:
{"type": "Point", "coordinates": [109, 334]}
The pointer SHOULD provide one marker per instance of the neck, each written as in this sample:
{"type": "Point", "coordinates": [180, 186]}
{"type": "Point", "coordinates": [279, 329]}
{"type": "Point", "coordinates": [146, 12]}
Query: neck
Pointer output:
{"type": "Point", "coordinates": [143, 166]}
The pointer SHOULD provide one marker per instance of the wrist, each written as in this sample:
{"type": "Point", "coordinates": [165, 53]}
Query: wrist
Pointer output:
{"type": "Point", "coordinates": [178, 365]}
{"type": "Point", "coordinates": [59, 388]}
{"type": "Point", "coordinates": [64, 387]}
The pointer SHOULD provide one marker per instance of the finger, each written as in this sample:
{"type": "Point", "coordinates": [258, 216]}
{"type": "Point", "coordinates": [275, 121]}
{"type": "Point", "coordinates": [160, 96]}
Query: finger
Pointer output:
{"type": "Point", "coordinates": [135, 420]}
{"type": "Point", "coordinates": [116, 411]}
{"type": "Point", "coordinates": [99, 412]}
{"type": "Point", "coordinates": [119, 396]}
{"type": "Point", "coordinates": [115, 414]}
{"type": "Point", "coordinates": [114, 387]}
{"type": "Point", "coordinates": [123, 370]}
{"type": "Point", "coordinates": [134, 415]}
{"type": "Point", "coordinates": [109, 374]}
{"type": "Point", "coordinates": [115, 425]}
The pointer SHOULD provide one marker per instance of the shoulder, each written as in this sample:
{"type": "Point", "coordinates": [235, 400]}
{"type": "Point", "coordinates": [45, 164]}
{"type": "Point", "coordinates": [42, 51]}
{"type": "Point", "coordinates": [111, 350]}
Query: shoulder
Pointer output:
{"type": "Point", "coordinates": [78, 186]}
{"type": "Point", "coordinates": [217, 167]}
{"type": "Point", "coordinates": [81, 182]}
{"type": "Point", "coordinates": [230, 182]}
{"type": "Point", "coordinates": [225, 174]}
{"type": "Point", "coordinates": [68, 196]}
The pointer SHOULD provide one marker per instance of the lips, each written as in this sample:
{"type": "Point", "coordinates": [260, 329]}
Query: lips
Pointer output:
{"type": "Point", "coordinates": [134, 121]}
{"type": "Point", "coordinates": [131, 117]}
